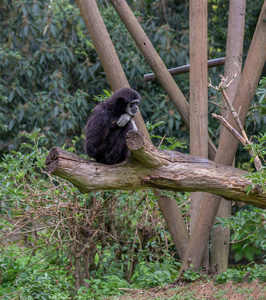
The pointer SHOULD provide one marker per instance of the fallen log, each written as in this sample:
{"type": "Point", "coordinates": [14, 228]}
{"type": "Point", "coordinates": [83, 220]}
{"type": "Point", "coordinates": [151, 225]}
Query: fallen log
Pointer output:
{"type": "Point", "coordinates": [149, 167]}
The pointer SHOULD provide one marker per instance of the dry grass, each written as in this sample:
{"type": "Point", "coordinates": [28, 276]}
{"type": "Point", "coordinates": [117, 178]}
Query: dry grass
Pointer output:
{"type": "Point", "coordinates": [201, 290]}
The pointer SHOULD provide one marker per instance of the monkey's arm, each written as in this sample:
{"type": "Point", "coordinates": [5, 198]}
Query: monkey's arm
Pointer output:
{"type": "Point", "coordinates": [123, 120]}
{"type": "Point", "coordinates": [134, 125]}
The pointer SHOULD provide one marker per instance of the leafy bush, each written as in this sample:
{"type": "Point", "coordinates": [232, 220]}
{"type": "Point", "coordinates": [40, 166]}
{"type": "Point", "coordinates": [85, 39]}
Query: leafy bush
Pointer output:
{"type": "Point", "coordinates": [105, 286]}
{"type": "Point", "coordinates": [259, 149]}
{"type": "Point", "coordinates": [52, 70]}
{"type": "Point", "coordinates": [239, 274]}
{"type": "Point", "coordinates": [51, 219]}
{"type": "Point", "coordinates": [30, 277]}
{"type": "Point", "coordinates": [151, 274]}
{"type": "Point", "coordinates": [249, 230]}
{"type": "Point", "coordinates": [43, 286]}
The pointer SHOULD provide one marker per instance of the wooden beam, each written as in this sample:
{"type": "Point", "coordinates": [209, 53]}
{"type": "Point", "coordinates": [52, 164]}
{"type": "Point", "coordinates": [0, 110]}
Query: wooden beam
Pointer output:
{"type": "Point", "coordinates": [212, 63]}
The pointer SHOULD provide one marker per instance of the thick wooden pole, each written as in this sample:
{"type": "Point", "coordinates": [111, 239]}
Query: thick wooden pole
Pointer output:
{"type": "Point", "coordinates": [178, 228]}
{"type": "Point", "coordinates": [198, 97]}
{"type": "Point", "coordinates": [198, 89]}
{"type": "Point", "coordinates": [106, 51]}
{"type": "Point", "coordinates": [233, 65]}
{"type": "Point", "coordinates": [103, 44]}
{"type": "Point", "coordinates": [228, 144]}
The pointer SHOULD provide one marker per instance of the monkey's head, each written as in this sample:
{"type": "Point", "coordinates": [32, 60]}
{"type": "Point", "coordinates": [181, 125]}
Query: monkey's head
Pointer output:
{"type": "Point", "coordinates": [125, 100]}
{"type": "Point", "coordinates": [132, 107]}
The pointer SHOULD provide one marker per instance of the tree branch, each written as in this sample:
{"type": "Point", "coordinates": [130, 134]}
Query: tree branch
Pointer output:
{"type": "Point", "coordinates": [150, 167]}
{"type": "Point", "coordinates": [243, 136]}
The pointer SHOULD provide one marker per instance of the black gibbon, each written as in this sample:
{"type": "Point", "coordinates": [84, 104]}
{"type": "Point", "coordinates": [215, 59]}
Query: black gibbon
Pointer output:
{"type": "Point", "coordinates": [108, 124]}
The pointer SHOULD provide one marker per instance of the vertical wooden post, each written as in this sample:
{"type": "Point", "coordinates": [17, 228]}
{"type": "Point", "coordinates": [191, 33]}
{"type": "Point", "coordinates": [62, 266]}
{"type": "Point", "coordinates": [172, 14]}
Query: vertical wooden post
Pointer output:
{"type": "Point", "coordinates": [233, 65]}
{"type": "Point", "coordinates": [198, 93]}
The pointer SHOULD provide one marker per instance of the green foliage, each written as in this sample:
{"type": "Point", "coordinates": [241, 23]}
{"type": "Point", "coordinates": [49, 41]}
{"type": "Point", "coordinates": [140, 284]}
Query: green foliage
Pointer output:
{"type": "Point", "coordinates": [165, 143]}
{"type": "Point", "coordinates": [155, 273]}
{"type": "Point", "coordinates": [249, 230]}
{"type": "Point", "coordinates": [259, 149]}
{"type": "Point", "coordinates": [257, 113]}
{"type": "Point", "coordinates": [38, 207]}
{"type": "Point", "coordinates": [43, 286]}
{"type": "Point", "coordinates": [29, 276]}
{"type": "Point", "coordinates": [104, 286]}
{"type": "Point", "coordinates": [250, 273]}
{"type": "Point", "coordinates": [261, 93]}
{"type": "Point", "coordinates": [101, 98]}
{"type": "Point", "coordinates": [192, 275]}
{"type": "Point", "coordinates": [40, 57]}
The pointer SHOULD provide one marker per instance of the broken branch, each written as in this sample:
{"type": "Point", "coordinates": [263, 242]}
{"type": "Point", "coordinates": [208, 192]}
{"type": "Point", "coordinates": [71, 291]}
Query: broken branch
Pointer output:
{"type": "Point", "coordinates": [150, 167]}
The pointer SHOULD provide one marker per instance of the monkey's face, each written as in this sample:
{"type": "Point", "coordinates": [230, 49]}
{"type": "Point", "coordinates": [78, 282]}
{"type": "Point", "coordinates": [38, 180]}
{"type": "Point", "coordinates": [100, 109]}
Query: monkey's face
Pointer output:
{"type": "Point", "coordinates": [132, 107]}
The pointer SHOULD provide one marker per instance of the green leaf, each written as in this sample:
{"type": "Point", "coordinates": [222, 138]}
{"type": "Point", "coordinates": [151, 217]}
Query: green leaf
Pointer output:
{"type": "Point", "coordinates": [20, 115]}
{"type": "Point", "coordinates": [53, 30]}
{"type": "Point", "coordinates": [42, 58]}
{"type": "Point", "coordinates": [26, 30]}
{"type": "Point", "coordinates": [11, 96]}
{"type": "Point", "coordinates": [56, 110]}
{"type": "Point", "coordinates": [24, 10]}
{"type": "Point", "coordinates": [35, 9]}
{"type": "Point", "coordinates": [11, 124]}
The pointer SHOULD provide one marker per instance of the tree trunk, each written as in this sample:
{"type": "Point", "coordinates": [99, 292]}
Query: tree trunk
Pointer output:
{"type": "Point", "coordinates": [233, 65]}
{"type": "Point", "coordinates": [150, 167]}
{"type": "Point", "coordinates": [228, 144]}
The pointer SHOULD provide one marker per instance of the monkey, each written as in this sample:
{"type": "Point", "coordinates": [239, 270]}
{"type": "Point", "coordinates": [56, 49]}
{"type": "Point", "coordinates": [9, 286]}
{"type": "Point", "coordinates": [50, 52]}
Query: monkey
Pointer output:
{"type": "Point", "coordinates": [108, 124]}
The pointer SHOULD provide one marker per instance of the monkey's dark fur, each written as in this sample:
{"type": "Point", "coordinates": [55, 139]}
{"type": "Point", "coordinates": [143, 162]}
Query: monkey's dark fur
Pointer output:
{"type": "Point", "coordinates": [105, 141]}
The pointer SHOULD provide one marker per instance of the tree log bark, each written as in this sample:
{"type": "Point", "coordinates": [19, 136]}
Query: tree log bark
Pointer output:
{"type": "Point", "coordinates": [150, 167]}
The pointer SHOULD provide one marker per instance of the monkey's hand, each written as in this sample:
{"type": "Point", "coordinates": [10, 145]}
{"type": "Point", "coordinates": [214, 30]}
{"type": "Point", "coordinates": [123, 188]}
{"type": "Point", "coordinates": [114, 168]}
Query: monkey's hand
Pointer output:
{"type": "Point", "coordinates": [123, 120]}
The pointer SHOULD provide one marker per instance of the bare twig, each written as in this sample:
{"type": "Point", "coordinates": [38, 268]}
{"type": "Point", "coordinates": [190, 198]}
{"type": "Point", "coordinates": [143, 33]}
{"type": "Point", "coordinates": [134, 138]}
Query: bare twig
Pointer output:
{"type": "Point", "coordinates": [218, 105]}
{"type": "Point", "coordinates": [19, 291]}
{"type": "Point", "coordinates": [235, 133]}
{"type": "Point", "coordinates": [243, 136]}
